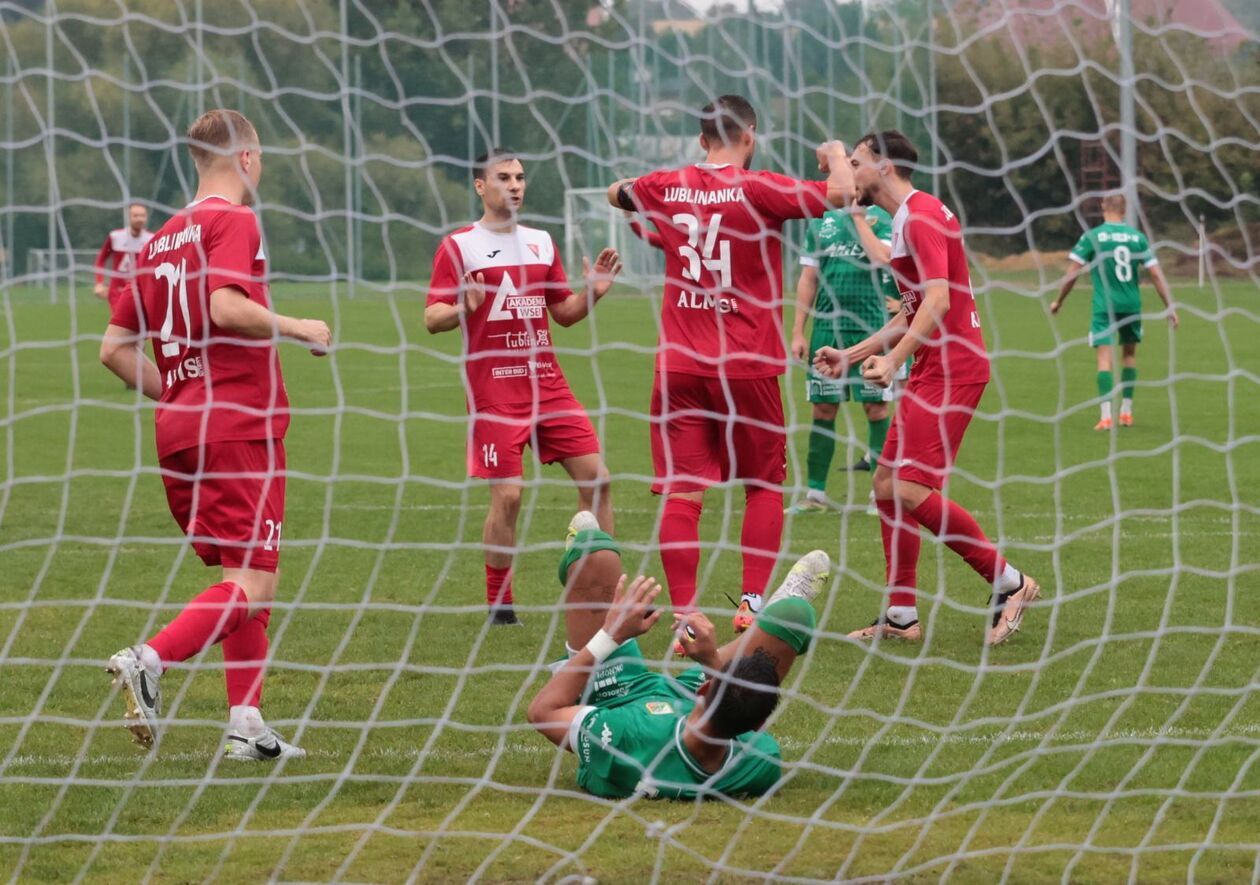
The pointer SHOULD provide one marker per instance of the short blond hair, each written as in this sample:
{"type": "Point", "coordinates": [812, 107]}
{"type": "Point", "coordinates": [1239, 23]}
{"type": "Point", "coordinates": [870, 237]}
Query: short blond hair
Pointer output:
{"type": "Point", "coordinates": [1114, 203]}
{"type": "Point", "coordinates": [218, 133]}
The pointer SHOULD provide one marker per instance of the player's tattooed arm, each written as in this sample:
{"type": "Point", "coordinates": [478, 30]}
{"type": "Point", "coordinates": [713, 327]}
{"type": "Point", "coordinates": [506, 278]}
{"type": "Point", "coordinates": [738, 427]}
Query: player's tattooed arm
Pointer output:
{"type": "Point", "coordinates": [597, 279]}
{"type": "Point", "coordinates": [1069, 280]}
{"type": "Point", "coordinates": [122, 352]}
{"type": "Point", "coordinates": [233, 310]}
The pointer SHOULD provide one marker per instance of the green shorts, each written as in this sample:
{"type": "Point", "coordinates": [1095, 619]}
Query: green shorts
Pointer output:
{"type": "Point", "coordinates": [851, 388]}
{"type": "Point", "coordinates": [1125, 326]}
{"type": "Point", "coordinates": [624, 678]}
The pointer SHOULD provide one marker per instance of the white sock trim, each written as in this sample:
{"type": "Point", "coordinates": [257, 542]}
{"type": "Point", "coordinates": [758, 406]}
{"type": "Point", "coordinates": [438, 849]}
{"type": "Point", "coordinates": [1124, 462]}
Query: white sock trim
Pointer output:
{"type": "Point", "coordinates": [1106, 411]}
{"type": "Point", "coordinates": [1126, 406]}
{"type": "Point", "coordinates": [901, 615]}
{"type": "Point", "coordinates": [1010, 579]}
{"type": "Point", "coordinates": [754, 601]}
{"type": "Point", "coordinates": [246, 721]}
{"type": "Point", "coordinates": [151, 660]}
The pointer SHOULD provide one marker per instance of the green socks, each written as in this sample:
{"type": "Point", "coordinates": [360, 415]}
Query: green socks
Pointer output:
{"type": "Point", "coordinates": [1128, 379]}
{"type": "Point", "coordinates": [877, 432]}
{"type": "Point", "coordinates": [792, 620]}
{"type": "Point", "coordinates": [822, 447]}
{"type": "Point", "coordinates": [1106, 382]}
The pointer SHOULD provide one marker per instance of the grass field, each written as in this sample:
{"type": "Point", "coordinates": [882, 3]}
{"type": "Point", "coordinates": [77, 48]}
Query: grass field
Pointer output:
{"type": "Point", "coordinates": [1116, 737]}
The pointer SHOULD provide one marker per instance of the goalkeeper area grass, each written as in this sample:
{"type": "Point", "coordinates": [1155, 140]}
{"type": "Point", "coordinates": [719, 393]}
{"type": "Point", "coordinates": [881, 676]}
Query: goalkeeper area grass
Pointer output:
{"type": "Point", "coordinates": [1116, 735]}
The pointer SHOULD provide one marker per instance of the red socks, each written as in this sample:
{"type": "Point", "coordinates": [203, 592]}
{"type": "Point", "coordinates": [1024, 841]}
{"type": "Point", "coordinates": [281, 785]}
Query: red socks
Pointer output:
{"type": "Point", "coordinates": [244, 654]}
{"type": "Point", "coordinates": [900, 533]}
{"type": "Point", "coordinates": [498, 586]}
{"type": "Point", "coordinates": [760, 537]}
{"type": "Point", "coordinates": [680, 549]}
{"type": "Point", "coordinates": [216, 612]}
{"type": "Point", "coordinates": [961, 533]}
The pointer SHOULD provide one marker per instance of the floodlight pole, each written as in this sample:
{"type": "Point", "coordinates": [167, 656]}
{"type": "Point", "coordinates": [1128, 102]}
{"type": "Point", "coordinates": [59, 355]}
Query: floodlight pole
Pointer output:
{"type": "Point", "coordinates": [1128, 124]}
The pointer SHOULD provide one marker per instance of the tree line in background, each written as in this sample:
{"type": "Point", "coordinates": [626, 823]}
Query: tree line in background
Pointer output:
{"type": "Point", "coordinates": [368, 139]}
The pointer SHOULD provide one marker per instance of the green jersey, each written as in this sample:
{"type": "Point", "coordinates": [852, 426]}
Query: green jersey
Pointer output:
{"type": "Point", "coordinates": [851, 293]}
{"type": "Point", "coordinates": [1114, 254]}
{"type": "Point", "coordinates": [630, 741]}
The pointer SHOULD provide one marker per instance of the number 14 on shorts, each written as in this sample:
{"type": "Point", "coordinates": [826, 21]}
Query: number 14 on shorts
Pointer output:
{"type": "Point", "coordinates": [489, 455]}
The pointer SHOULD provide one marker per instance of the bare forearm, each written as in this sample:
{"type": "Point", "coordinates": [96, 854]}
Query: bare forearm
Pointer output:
{"type": "Point", "coordinates": [442, 317]}
{"type": "Point", "coordinates": [1161, 286]}
{"type": "Point", "coordinates": [926, 321]}
{"type": "Point", "coordinates": [564, 688]}
{"type": "Point", "coordinates": [576, 307]}
{"type": "Point", "coordinates": [877, 252]}
{"type": "Point", "coordinates": [232, 310]}
{"type": "Point", "coordinates": [806, 292]}
{"type": "Point", "coordinates": [130, 363]}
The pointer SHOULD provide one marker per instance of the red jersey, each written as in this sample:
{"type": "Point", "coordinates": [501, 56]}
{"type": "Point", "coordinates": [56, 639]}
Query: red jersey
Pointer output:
{"type": "Point", "coordinates": [721, 230]}
{"type": "Point", "coordinates": [508, 360]}
{"type": "Point", "coordinates": [927, 245]}
{"type": "Point", "coordinates": [216, 386]}
{"type": "Point", "coordinates": [117, 258]}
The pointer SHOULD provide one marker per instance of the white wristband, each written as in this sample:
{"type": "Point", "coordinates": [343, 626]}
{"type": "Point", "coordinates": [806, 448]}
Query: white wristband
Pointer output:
{"type": "Point", "coordinates": [602, 646]}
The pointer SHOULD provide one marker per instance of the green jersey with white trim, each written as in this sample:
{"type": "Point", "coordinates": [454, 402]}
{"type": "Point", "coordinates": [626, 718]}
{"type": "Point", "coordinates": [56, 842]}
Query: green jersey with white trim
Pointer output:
{"type": "Point", "coordinates": [851, 292]}
{"type": "Point", "coordinates": [637, 749]}
{"type": "Point", "coordinates": [1114, 254]}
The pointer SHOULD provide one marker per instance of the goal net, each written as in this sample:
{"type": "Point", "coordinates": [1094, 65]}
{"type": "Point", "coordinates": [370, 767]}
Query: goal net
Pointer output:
{"type": "Point", "coordinates": [1115, 737]}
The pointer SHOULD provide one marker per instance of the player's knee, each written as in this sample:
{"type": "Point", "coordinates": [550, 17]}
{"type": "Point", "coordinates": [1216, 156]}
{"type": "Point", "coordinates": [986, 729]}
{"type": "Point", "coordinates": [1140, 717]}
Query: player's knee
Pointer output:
{"type": "Point", "coordinates": [825, 411]}
{"type": "Point", "coordinates": [876, 411]}
{"type": "Point", "coordinates": [882, 483]}
{"type": "Point", "coordinates": [506, 499]}
{"type": "Point", "coordinates": [595, 575]}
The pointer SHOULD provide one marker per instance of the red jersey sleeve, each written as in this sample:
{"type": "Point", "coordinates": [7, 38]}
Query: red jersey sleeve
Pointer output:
{"type": "Point", "coordinates": [102, 257]}
{"type": "Point", "coordinates": [230, 252]}
{"type": "Point", "coordinates": [929, 247]}
{"type": "Point", "coordinates": [558, 287]}
{"type": "Point", "coordinates": [447, 272]}
{"type": "Point", "coordinates": [651, 237]}
{"type": "Point", "coordinates": [646, 192]}
{"type": "Point", "coordinates": [125, 310]}
{"type": "Point", "coordinates": [782, 197]}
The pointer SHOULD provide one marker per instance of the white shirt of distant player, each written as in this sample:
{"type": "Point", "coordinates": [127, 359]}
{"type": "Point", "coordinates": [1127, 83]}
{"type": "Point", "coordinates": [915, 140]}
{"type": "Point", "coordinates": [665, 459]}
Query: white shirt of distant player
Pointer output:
{"type": "Point", "coordinates": [124, 241]}
{"type": "Point", "coordinates": [481, 248]}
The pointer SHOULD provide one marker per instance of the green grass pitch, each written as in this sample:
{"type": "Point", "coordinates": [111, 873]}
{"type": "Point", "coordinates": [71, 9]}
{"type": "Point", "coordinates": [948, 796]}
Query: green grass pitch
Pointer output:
{"type": "Point", "coordinates": [1116, 735]}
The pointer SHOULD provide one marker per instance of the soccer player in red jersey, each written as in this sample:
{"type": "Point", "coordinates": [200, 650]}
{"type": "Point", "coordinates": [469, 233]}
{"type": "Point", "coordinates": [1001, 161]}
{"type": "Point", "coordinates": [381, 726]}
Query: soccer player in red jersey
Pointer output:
{"type": "Point", "coordinates": [496, 281]}
{"type": "Point", "coordinates": [201, 296]}
{"type": "Point", "coordinates": [939, 326]}
{"type": "Point", "coordinates": [717, 411]}
{"type": "Point", "coordinates": [116, 262]}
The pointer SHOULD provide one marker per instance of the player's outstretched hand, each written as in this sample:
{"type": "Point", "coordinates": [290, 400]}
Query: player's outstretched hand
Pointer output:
{"type": "Point", "coordinates": [317, 334]}
{"type": "Point", "coordinates": [1173, 320]}
{"type": "Point", "coordinates": [830, 362]}
{"type": "Point", "coordinates": [698, 637]}
{"type": "Point", "coordinates": [632, 612]}
{"type": "Point", "coordinates": [1054, 306]}
{"type": "Point", "coordinates": [879, 369]}
{"type": "Point", "coordinates": [600, 278]}
{"type": "Point", "coordinates": [473, 291]}
{"type": "Point", "coordinates": [800, 347]}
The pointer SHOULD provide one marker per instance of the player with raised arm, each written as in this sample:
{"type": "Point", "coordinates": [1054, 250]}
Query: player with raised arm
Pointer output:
{"type": "Point", "coordinates": [1114, 252]}
{"type": "Point", "coordinates": [116, 262]}
{"type": "Point", "coordinates": [201, 296]}
{"type": "Point", "coordinates": [496, 281]}
{"type": "Point", "coordinates": [845, 284]}
{"type": "Point", "coordinates": [693, 735]}
{"type": "Point", "coordinates": [939, 326]}
{"type": "Point", "coordinates": [717, 410]}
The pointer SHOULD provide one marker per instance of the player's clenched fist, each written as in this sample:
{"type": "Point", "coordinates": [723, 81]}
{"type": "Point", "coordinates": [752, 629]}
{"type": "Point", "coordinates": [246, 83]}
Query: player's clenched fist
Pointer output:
{"type": "Point", "coordinates": [830, 152]}
{"type": "Point", "coordinates": [315, 333]}
{"type": "Point", "coordinates": [879, 370]}
{"type": "Point", "coordinates": [831, 362]}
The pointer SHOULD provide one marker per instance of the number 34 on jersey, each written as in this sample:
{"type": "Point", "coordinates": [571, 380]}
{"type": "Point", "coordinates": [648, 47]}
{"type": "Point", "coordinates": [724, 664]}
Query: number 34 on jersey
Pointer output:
{"type": "Point", "coordinates": [713, 255]}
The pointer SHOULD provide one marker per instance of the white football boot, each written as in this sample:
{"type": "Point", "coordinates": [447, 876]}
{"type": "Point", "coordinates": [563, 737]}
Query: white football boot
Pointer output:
{"type": "Point", "coordinates": [141, 694]}
{"type": "Point", "coordinates": [266, 747]}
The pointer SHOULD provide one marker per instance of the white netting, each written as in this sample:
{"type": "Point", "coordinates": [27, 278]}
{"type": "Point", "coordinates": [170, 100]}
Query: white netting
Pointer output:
{"type": "Point", "coordinates": [1116, 737]}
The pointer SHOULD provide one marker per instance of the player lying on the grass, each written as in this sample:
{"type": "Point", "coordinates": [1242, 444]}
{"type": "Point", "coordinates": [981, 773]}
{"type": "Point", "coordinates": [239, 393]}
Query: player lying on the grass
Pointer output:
{"type": "Point", "coordinates": [1114, 252]}
{"type": "Point", "coordinates": [717, 410]}
{"type": "Point", "coordinates": [845, 285]}
{"type": "Point", "coordinates": [201, 297]}
{"type": "Point", "coordinates": [939, 326]}
{"type": "Point", "coordinates": [636, 731]}
{"type": "Point", "coordinates": [516, 393]}
{"type": "Point", "coordinates": [116, 262]}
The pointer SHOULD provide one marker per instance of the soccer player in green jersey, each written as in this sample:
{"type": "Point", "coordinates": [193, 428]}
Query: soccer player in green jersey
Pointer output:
{"type": "Point", "coordinates": [1114, 253]}
{"type": "Point", "coordinates": [844, 283]}
{"type": "Point", "coordinates": [692, 734]}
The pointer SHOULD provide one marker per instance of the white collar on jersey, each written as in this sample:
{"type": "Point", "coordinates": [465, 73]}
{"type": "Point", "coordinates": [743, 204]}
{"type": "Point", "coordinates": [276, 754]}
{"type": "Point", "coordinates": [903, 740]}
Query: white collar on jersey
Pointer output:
{"type": "Point", "coordinates": [713, 165]}
{"type": "Point", "coordinates": [208, 197]}
{"type": "Point", "coordinates": [902, 211]}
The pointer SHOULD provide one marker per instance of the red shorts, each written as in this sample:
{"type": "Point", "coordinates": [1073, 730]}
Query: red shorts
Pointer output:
{"type": "Point", "coordinates": [709, 430]}
{"type": "Point", "coordinates": [927, 430]}
{"type": "Point", "coordinates": [556, 430]}
{"type": "Point", "coordinates": [228, 497]}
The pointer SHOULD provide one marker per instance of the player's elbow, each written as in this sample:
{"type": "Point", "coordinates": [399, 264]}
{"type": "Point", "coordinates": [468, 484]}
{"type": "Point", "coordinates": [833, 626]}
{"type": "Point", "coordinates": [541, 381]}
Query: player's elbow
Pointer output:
{"type": "Point", "coordinates": [539, 712]}
{"type": "Point", "coordinates": [436, 321]}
